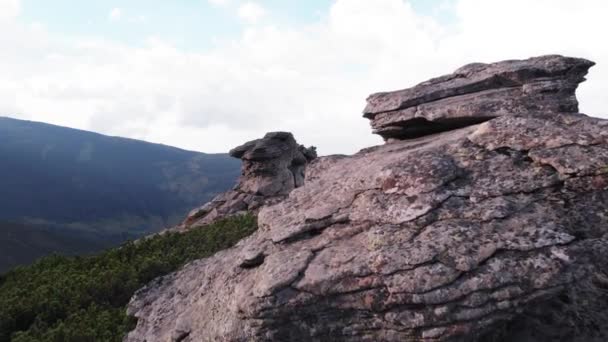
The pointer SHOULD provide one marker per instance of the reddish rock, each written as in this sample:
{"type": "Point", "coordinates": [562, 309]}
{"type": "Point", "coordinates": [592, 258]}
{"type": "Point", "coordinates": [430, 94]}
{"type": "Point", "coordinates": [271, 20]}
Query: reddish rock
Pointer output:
{"type": "Point", "coordinates": [490, 232]}
{"type": "Point", "coordinates": [271, 168]}
{"type": "Point", "coordinates": [476, 93]}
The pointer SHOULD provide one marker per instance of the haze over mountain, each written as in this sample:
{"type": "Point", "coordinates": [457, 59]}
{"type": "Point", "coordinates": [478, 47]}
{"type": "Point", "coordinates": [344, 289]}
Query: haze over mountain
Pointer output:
{"type": "Point", "coordinates": [20, 243]}
{"type": "Point", "coordinates": [68, 191]}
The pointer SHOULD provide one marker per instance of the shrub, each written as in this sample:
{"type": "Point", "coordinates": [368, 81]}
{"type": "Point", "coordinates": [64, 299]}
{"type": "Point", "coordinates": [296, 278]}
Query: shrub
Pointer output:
{"type": "Point", "coordinates": [84, 298]}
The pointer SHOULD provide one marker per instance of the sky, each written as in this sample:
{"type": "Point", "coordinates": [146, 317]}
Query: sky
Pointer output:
{"type": "Point", "coordinates": [208, 75]}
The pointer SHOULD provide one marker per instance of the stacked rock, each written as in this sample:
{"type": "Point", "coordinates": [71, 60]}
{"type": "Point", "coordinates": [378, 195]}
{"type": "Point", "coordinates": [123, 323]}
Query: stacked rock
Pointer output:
{"type": "Point", "coordinates": [492, 232]}
{"type": "Point", "coordinates": [272, 167]}
{"type": "Point", "coordinates": [478, 92]}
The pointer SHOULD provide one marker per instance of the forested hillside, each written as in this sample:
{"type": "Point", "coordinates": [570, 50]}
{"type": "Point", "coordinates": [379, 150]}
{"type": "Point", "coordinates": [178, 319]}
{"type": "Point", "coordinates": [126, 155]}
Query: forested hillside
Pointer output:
{"type": "Point", "coordinates": [78, 299]}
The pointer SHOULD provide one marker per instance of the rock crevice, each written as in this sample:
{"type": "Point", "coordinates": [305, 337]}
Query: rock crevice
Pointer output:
{"type": "Point", "coordinates": [449, 237]}
{"type": "Point", "coordinates": [478, 92]}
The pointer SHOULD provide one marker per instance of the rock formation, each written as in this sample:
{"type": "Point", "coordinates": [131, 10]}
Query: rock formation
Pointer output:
{"type": "Point", "coordinates": [460, 235]}
{"type": "Point", "coordinates": [476, 93]}
{"type": "Point", "coordinates": [271, 168]}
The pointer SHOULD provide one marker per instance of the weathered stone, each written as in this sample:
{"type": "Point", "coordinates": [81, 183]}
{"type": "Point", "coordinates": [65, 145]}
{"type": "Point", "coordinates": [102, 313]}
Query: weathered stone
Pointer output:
{"type": "Point", "coordinates": [271, 168]}
{"type": "Point", "coordinates": [447, 237]}
{"type": "Point", "coordinates": [477, 93]}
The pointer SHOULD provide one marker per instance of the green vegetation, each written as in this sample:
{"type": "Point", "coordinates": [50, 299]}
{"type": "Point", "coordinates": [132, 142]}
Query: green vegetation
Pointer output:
{"type": "Point", "coordinates": [84, 298]}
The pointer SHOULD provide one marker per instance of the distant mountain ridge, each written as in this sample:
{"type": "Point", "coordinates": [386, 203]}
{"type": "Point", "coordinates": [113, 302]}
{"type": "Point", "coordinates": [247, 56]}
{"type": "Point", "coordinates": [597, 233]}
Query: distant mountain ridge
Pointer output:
{"type": "Point", "coordinates": [59, 178]}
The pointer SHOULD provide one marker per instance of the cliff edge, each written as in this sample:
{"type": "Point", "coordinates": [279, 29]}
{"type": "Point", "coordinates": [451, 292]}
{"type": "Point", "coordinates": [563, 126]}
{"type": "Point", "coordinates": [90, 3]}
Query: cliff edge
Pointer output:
{"type": "Point", "coordinates": [483, 218]}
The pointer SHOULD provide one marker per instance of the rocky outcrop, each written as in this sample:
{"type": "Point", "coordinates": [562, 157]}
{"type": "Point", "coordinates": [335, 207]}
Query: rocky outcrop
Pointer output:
{"type": "Point", "coordinates": [478, 92]}
{"type": "Point", "coordinates": [451, 236]}
{"type": "Point", "coordinates": [271, 168]}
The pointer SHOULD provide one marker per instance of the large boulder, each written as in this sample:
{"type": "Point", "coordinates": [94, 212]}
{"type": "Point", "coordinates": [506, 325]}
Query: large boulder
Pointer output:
{"type": "Point", "coordinates": [489, 232]}
{"type": "Point", "coordinates": [271, 168]}
{"type": "Point", "coordinates": [478, 92]}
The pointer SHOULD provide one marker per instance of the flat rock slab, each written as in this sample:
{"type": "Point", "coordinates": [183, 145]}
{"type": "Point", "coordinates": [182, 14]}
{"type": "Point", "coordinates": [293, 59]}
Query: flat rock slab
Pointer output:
{"type": "Point", "coordinates": [478, 92]}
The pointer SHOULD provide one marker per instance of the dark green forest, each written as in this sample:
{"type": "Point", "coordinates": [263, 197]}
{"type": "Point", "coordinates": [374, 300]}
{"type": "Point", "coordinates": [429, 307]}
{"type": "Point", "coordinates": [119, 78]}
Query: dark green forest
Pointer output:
{"type": "Point", "coordinates": [84, 298]}
{"type": "Point", "coordinates": [23, 244]}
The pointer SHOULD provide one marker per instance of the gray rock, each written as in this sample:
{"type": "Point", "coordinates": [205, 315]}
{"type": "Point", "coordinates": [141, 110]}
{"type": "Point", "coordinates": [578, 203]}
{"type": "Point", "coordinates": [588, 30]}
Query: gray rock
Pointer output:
{"type": "Point", "coordinates": [271, 168]}
{"type": "Point", "coordinates": [450, 237]}
{"type": "Point", "coordinates": [476, 93]}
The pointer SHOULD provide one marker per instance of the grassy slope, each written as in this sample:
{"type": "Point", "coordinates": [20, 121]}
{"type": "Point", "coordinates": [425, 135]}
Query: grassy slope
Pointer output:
{"type": "Point", "coordinates": [84, 298]}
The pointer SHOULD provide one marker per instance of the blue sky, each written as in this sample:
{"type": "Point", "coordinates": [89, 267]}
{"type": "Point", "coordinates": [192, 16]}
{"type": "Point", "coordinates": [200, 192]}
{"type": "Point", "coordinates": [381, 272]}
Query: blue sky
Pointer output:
{"type": "Point", "coordinates": [191, 24]}
{"type": "Point", "coordinates": [194, 25]}
{"type": "Point", "coordinates": [208, 75]}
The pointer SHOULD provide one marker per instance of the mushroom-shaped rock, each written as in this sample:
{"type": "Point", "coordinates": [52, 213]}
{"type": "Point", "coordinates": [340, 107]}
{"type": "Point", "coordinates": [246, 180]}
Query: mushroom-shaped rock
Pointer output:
{"type": "Point", "coordinates": [271, 168]}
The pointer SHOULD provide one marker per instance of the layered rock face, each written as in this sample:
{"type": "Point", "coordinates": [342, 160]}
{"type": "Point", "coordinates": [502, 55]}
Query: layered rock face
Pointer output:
{"type": "Point", "coordinates": [271, 168]}
{"type": "Point", "coordinates": [478, 92]}
{"type": "Point", "coordinates": [456, 236]}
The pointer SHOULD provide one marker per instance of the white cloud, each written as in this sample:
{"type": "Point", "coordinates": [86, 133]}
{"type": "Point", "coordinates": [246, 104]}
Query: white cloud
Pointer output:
{"type": "Point", "coordinates": [9, 9]}
{"type": "Point", "coordinates": [445, 5]}
{"type": "Point", "coordinates": [118, 14]}
{"type": "Point", "coordinates": [218, 2]}
{"type": "Point", "coordinates": [138, 19]}
{"type": "Point", "coordinates": [115, 14]}
{"type": "Point", "coordinates": [311, 80]}
{"type": "Point", "coordinates": [251, 11]}
{"type": "Point", "coordinates": [487, 33]}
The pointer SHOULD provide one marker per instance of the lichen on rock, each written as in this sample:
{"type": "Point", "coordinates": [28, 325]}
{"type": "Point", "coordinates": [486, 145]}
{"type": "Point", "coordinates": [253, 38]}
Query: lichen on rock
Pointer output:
{"type": "Point", "coordinates": [449, 236]}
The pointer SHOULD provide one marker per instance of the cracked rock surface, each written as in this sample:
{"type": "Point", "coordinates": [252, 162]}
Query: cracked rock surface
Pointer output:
{"type": "Point", "coordinates": [445, 237]}
{"type": "Point", "coordinates": [271, 168]}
